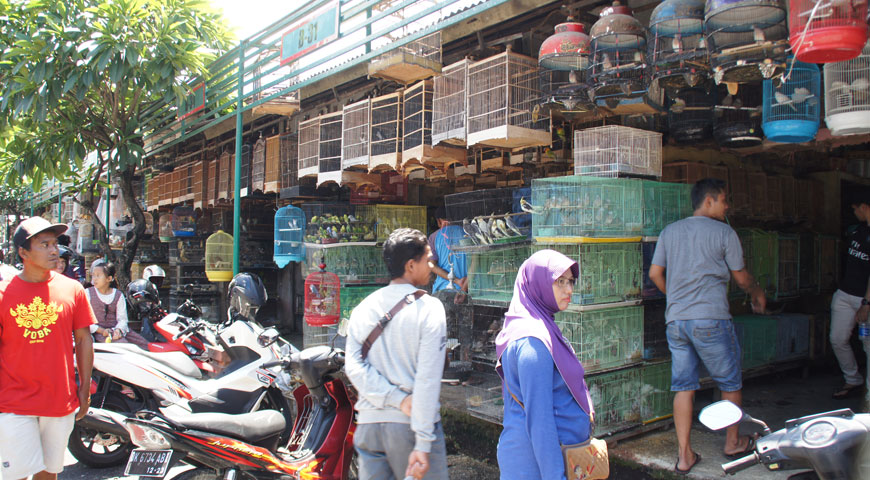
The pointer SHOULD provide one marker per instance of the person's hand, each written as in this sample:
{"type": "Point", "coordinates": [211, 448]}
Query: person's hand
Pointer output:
{"type": "Point", "coordinates": [759, 301]}
{"type": "Point", "coordinates": [463, 284]}
{"type": "Point", "coordinates": [116, 334]}
{"type": "Point", "coordinates": [84, 401]}
{"type": "Point", "coordinates": [418, 464]}
{"type": "Point", "coordinates": [405, 406]}
{"type": "Point", "coordinates": [861, 314]}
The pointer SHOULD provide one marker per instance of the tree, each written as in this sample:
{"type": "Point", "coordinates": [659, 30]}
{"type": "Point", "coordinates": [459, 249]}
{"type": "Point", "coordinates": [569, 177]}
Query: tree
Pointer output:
{"type": "Point", "coordinates": [74, 78]}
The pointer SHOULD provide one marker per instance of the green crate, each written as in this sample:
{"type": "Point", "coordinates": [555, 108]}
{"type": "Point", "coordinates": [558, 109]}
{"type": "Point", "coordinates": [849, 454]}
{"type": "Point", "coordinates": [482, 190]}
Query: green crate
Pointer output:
{"type": "Point", "coordinates": [760, 253]}
{"type": "Point", "coordinates": [493, 270]}
{"type": "Point", "coordinates": [663, 204]}
{"type": "Point", "coordinates": [788, 271]}
{"type": "Point", "coordinates": [657, 397]}
{"type": "Point", "coordinates": [391, 217]}
{"type": "Point", "coordinates": [604, 338]}
{"type": "Point", "coordinates": [808, 267]}
{"type": "Point", "coordinates": [828, 258]}
{"type": "Point", "coordinates": [758, 339]}
{"type": "Point", "coordinates": [609, 272]}
{"type": "Point", "coordinates": [616, 398]}
{"type": "Point", "coordinates": [350, 297]}
{"type": "Point", "coordinates": [354, 263]}
{"type": "Point", "coordinates": [576, 206]}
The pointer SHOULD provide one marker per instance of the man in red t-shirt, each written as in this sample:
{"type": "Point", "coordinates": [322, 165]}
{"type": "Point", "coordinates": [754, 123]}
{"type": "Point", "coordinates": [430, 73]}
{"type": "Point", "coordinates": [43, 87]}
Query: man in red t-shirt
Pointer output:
{"type": "Point", "coordinates": [41, 312]}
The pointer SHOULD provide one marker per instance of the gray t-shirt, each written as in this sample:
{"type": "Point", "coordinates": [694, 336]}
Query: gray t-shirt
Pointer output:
{"type": "Point", "coordinates": [698, 254]}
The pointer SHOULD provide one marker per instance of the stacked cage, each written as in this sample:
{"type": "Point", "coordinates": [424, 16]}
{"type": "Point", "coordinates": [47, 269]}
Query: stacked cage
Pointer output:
{"type": "Point", "coordinates": [492, 271]}
{"type": "Point", "coordinates": [737, 118]}
{"type": "Point", "coordinates": [690, 116]}
{"type": "Point", "coordinates": [774, 197]}
{"type": "Point", "coordinates": [604, 338]}
{"type": "Point", "coordinates": [152, 196]}
{"type": "Point", "coordinates": [828, 258]}
{"type": "Point", "coordinates": [618, 67]}
{"type": "Point", "coordinates": [390, 217]}
{"type": "Point", "coordinates": [847, 95]}
{"type": "Point", "coordinates": [787, 189]}
{"type": "Point", "coordinates": [678, 50]}
{"type": "Point", "coordinates": [356, 123]}
{"type": "Point", "coordinates": [386, 132]}
{"type": "Point", "coordinates": [258, 166]}
{"type": "Point", "coordinates": [663, 204]}
{"type": "Point", "coordinates": [288, 166]}
{"type": "Point", "coordinates": [417, 121]}
{"type": "Point", "coordinates": [272, 170]}
{"type": "Point", "coordinates": [166, 188]}
{"type": "Point", "coordinates": [245, 176]}
{"type": "Point", "coordinates": [225, 184]}
{"type": "Point", "coordinates": [309, 148]}
{"type": "Point", "coordinates": [613, 151]}
{"type": "Point", "coordinates": [200, 183]}
{"type": "Point", "coordinates": [212, 181]}
{"type": "Point", "coordinates": [449, 105]}
{"type": "Point", "coordinates": [758, 206]}
{"type": "Point", "coordinates": [329, 148]}
{"type": "Point", "coordinates": [788, 274]}
{"type": "Point", "coordinates": [791, 108]}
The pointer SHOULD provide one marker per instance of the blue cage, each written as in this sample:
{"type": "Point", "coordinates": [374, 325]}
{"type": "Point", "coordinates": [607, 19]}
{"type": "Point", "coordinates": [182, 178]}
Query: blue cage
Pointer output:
{"type": "Point", "coordinates": [678, 49]}
{"type": "Point", "coordinates": [289, 235]}
{"type": "Point", "coordinates": [183, 221]}
{"type": "Point", "coordinates": [618, 67]}
{"type": "Point", "coordinates": [747, 39]}
{"type": "Point", "coordinates": [791, 110]}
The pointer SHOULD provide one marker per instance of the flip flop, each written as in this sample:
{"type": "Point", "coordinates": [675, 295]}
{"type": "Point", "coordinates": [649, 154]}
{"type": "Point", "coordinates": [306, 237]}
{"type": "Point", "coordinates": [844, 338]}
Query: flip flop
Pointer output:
{"type": "Point", "coordinates": [847, 391]}
{"type": "Point", "coordinates": [750, 447]}
{"type": "Point", "coordinates": [686, 471]}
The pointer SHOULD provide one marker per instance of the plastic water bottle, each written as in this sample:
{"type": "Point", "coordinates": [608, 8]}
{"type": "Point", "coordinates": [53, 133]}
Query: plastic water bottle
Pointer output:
{"type": "Point", "coordinates": [864, 331]}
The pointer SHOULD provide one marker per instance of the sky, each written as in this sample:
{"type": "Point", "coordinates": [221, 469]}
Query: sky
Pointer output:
{"type": "Point", "coordinates": [247, 17]}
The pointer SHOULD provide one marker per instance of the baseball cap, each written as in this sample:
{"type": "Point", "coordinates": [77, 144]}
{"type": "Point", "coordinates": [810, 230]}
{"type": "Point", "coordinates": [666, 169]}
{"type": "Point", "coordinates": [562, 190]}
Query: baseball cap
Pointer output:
{"type": "Point", "coordinates": [33, 226]}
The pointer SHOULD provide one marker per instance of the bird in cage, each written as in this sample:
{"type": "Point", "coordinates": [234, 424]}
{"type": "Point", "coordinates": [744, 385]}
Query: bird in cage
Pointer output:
{"type": "Point", "coordinates": [801, 94]}
{"type": "Point", "coordinates": [783, 99]}
{"type": "Point", "coordinates": [860, 83]}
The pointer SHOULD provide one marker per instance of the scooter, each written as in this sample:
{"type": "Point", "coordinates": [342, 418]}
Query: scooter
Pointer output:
{"type": "Point", "coordinates": [220, 446]}
{"type": "Point", "coordinates": [835, 445]}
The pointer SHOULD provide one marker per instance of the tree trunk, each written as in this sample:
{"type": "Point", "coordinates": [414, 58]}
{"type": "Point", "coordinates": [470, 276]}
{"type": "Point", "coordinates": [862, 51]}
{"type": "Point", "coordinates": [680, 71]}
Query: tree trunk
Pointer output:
{"type": "Point", "coordinates": [126, 255]}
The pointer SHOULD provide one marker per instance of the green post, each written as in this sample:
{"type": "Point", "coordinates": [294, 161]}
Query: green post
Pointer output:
{"type": "Point", "coordinates": [108, 202]}
{"type": "Point", "coordinates": [237, 187]}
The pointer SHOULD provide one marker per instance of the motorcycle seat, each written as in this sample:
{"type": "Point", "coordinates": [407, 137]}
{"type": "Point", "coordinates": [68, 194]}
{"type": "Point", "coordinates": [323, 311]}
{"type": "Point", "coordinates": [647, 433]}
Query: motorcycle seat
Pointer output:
{"type": "Point", "coordinates": [250, 427]}
{"type": "Point", "coordinates": [177, 361]}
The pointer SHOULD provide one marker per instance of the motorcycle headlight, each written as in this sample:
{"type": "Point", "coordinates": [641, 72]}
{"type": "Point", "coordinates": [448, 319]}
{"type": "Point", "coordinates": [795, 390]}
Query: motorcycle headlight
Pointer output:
{"type": "Point", "coordinates": [147, 437]}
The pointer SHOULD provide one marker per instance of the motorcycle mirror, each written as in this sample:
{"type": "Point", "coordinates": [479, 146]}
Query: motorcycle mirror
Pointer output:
{"type": "Point", "coordinates": [268, 337]}
{"type": "Point", "coordinates": [342, 327]}
{"type": "Point", "coordinates": [720, 415]}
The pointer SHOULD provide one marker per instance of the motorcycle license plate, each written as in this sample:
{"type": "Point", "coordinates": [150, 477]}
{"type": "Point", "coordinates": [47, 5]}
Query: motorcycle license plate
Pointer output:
{"type": "Point", "coordinates": [148, 463]}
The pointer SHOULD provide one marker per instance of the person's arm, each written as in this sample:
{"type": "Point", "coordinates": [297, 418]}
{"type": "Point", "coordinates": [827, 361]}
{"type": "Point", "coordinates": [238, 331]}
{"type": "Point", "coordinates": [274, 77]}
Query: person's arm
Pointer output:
{"type": "Point", "coordinates": [657, 275]}
{"type": "Point", "coordinates": [744, 279]}
{"type": "Point", "coordinates": [121, 316]}
{"type": "Point", "coordinates": [370, 384]}
{"type": "Point", "coordinates": [864, 310]}
{"type": "Point", "coordinates": [84, 364]}
{"type": "Point", "coordinates": [658, 265]}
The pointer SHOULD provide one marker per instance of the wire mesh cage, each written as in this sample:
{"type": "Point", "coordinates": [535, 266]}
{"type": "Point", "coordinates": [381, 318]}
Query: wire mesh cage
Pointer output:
{"type": "Point", "coordinates": [847, 95]}
{"type": "Point", "coordinates": [577, 206]}
{"type": "Point", "coordinates": [618, 67]}
{"type": "Point", "coordinates": [803, 200]}
{"type": "Point", "coordinates": [272, 170]}
{"type": "Point", "coordinates": [164, 228]}
{"type": "Point", "coordinates": [502, 93]}
{"type": "Point", "coordinates": [827, 31]}
{"type": "Point", "coordinates": [604, 338]}
{"type": "Point", "coordinates": [738, 189]}
{"type": "Point", "coordinates": [322, 299]}
{"type": "Point", "coordinates": [649, 291]}
{"type": "Point", "coordinates": [761, 255]}
{"type": "Point", "coordinates": [152, 196]}
{"type": "Point", "coordinates": [175, 186]}
{"type": "Point", "coordinates": [258, 166]}
{"type": "Point", "coordinates": [487, 323]}
{"type": "Point", "coordinates": [610, 271]}
{"type": "Point", "coordinates": [245, 177]}
{"type": "Point", "coordinates": [336, 222]}
{"type": "Point", "coordinates": [166, 190]}
{"type": "Point", "coordinates": [460, 335]}
{"type": "Point", "coordinates": [309, 147]}
{"type": "Point", "coordinates": [199, 183]}
{"type": "Point", "coordinates": [411, 62]}
{"type": "Point", "coordinates": [663, 204]}
{"type": "Point", "coordinates": [568, 49]}
{"type": "Point", "coordinates": [356, 125]}
{"type": "Point", "coordinates": [788, 273]}
{"type": "Point", "coordinates": [564, 92]}
{"type": "Point", "coordinates": [354, 264]}
{"type": "Point", "coordinates": [492, 272]}
{"type": "Point", "coordinates": [386, 136]}
{"type": "Point", "coordinates": [747, 39]}
{"type": "Point", "coordinates": [690, 116]}
{"type": "Point", "coordinates": [219, 257]}
{"type": "Point", "coordinates": [289, 236]}
{"type": "Point", "coordinates": [484, 401]}
{"type": "Point", "coordinates": [614, 150]}
{"type": "Point", "coordinates": [616, 400]}
{"type": "Point", "coordinates": [449, 105]}
{"type": "Point", "coordinates": [330, 148]}
{"type": "Point", "coordinates": [678, 49]}
{"type": "Point", "coordinates": [269, 84]}
{"type": "Point", "coordinates": [657, 399]}
{"type": "Point", "coordinates": [758, 206]}
{"type": "Point", "coordinates": [391, 217]}
{"type": "Point", "coordinates": [212, 181]}
{"type": "Point", "coordinates": [757, 337]}
{"type": "Point", "coordinates": [774, 196]}
{"type": "Point", "coordinates": [791, 108]}
{"type": "Point", "coordinates": [737, 118]}
{"type": "Point", "coordinates": [489, 201]}
{"type": "Point", "coordinates": [183, 221]}
{"type": "Point", "coordinates": [655, 340]}
{"type": "Point", "coordinates": [828, 248]}
{"type": "Point", "coordinates": [226, 168]}
{"type": "Point", "coordinates": [288, 165]}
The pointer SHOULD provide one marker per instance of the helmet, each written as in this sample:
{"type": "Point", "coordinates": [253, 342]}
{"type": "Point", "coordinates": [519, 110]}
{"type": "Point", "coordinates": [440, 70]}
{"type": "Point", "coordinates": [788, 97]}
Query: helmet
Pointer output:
{"type": "Point", "coordinates": [154, 274]}
{"type": "Point", "coordinates": [142, 294]}
{"type": "Point", "coordinates": [65, 253]}
{"type": "Point", "coordinates": [246, 295]}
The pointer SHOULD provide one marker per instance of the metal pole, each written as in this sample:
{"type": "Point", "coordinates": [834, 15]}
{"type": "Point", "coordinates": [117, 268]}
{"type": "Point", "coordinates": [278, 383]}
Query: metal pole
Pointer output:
{"type": "Point", "coordinates": [108, 202]}
{"type": "Point", "coordinates": [237, 180]}
{"type": "Point", "coordinates": [59, 204]}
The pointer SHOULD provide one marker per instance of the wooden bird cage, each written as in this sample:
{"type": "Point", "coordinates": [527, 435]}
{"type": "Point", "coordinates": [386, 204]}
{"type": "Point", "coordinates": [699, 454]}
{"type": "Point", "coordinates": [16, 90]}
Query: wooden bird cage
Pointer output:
{"type": "Point", "coordinates": [411, 62]}
{"type": "Point", "coordinates": [152, 193]}
{"type": "Point", "coordinates": [417, 129]}
{"type": "Point", "coordinates": [774, 196]}
{"type": "Point", "coordinates": [199, 183]}
{"type": "Point", "coordinates": [757, 182]}
{"type": "Point", "coordinates": [176, 185]}
{"type": "Point", "coordinates": [219, 257]}
{"type": "Point", "coordinates": [225, 172]}
{"type": "Point", "coordinates": [212, 182]}
{"type": "Point", "coordinates": [245, 177]}
{"type": "Point", "coordinates": [449, 105]}
{"type": "Point", "coordinates": [739, 191]}
{"type": "Point", "coordinates": [258, 166]}
{"type": "Point", "coordinates": [289, 160]}
{"type": "Point", "coordinates": [502, 93]}
{"type": "Point", "coordinates": [309, 147]}
{"type": "Point", "coordinates": [270, 80]}
{"type": "Point", "coordinates": [165, 186]}
{"type": "Point", "coordinates": [386, 137]}
{"type": "Point", "coordinates": [272, 173]}
{"type": "Point", "coordinates": [330, 148]}
{"type": "Point", "coordinates": [788, 198]}
{"type": "Point", "coordinates": [356, 125]}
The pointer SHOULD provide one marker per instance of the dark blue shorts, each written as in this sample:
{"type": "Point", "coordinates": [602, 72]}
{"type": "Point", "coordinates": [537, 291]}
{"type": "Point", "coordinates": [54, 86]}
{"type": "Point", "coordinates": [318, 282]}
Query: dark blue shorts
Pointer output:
{"type": "Point", "coordinates": [713, 342]}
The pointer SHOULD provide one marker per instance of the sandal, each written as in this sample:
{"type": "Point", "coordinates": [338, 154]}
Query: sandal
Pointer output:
{"type": "Point", "coordinates": [750, 447]}
{"type": "Point", "coordinates": [847, 391]}
{"type": "Point", "coordinates": [686, 471]}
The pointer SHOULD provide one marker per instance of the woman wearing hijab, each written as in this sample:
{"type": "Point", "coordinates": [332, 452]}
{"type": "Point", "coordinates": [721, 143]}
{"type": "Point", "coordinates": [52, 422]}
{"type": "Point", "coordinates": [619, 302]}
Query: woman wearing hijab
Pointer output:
{"type": "Point", "coordinates": [547, 403]}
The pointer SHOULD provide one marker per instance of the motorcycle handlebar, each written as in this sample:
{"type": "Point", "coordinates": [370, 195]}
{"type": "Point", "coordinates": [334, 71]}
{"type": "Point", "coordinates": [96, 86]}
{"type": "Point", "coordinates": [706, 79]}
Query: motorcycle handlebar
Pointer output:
{"type": "Point", "coordinates": [191, 328]}
{"type": "Point", "coordinates": [731, 468]}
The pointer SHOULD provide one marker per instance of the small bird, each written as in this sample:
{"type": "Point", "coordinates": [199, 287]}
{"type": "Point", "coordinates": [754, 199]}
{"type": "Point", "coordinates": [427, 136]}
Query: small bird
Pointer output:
{"type": "Point", "coordinates": [605, 62]}
{"type": "Point", "coordinates": [757, 34]}
{"type": "Point", "coordinates": [838, 85]}
{"type": "Point", "coordinates": [528, 207]}
{"type": "Point", "coordinates": [783, 99]}
{"type": "Point", "coordinates": [860, 84]}
{"type": "Point", "coordinates": [511, 225]}
{"type": "Point", "coordinates": [801, 94]}
{"type": "Point", "coordinates": [678, 106]}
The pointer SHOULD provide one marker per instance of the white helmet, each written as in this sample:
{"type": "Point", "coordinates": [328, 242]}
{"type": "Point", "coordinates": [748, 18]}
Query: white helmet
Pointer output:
{"type": "Point", "coordinates": [154, 274]}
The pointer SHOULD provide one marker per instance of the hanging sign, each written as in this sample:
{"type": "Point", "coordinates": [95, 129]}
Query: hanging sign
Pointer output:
{"type": "Point", "coordinates": [312, 31]}
{"type": "Point", "coordinates": [192, 103]}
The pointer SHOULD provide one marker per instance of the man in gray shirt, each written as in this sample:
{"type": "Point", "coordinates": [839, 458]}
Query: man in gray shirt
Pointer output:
{"type": "Point", "coordinates": [399, 382]}
{"type": "Point", "coordinates": [700, 254]}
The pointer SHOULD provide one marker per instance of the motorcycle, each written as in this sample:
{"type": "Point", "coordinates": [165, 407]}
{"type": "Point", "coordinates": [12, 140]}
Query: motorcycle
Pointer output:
{"type": "Point", "coordinates": [258, 445]}
{"type": "Point", "coordinates": [834, 445]}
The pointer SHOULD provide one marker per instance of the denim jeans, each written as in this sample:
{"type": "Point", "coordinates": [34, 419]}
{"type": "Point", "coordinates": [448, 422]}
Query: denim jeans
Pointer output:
{"type": "Point", "coordinates": [713, 342]}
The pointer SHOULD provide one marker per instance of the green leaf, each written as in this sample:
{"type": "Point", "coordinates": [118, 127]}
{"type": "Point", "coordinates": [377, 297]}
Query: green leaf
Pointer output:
{"type": "Point", "coordinates": [70, 81]}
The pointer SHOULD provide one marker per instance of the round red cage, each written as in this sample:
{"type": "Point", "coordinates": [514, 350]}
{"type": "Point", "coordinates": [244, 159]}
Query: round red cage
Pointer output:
{"type": "Point", "coordinates": [322, 298]}
{"type": "Point", "coordinates": [825, 31]}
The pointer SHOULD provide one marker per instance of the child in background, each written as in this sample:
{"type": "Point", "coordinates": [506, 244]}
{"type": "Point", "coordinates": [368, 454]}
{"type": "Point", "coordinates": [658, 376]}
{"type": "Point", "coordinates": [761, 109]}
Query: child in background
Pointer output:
{"type": "Point", "coordinates": [110, 308]}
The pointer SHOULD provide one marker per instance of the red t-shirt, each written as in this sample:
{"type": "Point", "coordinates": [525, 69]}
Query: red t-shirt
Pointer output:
{"type": "Point", "coordinates": [37, 375]}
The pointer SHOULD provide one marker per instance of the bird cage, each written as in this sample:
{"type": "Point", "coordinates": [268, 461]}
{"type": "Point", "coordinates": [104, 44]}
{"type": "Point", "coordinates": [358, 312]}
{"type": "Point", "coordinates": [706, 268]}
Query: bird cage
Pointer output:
{"type": "Point", "coordinates": [289, 235]}
{"type": "Point", "coordinates": [226, 166]}
{"type": "Point", "coordinates": [258, 166]}
{"type": "Point", "coordinates": [356, 125]}
{"type": "Point", "coordinates": [199, 183]}
{"type": "Point", "coordinates": [564, 93]}
{"type": "Point", "coordinates": [824, 31]}
{"type": "Point", "coordinates": [330, 148]}
{"type": "Point", "coordinates": [774, 197]}
{"type": "Point", "coordinates": [212, 181]}
{"type": "Point", "coordinates": [309, 147]}
{"type": "Point", "coordinates": [268, 81]}
{"type": "Point", "coordinates": [272, 173]}
{"type": "Point", "coordinates": [566, 50]}
{"type": "Point", "coordinates": [322, 298]}
{"type": "Point", "coordinates": [164, 228]}
{"type": "Point", "coordinates": [614, 150]}
{"type": "Point", "coordinates": [176, 188]}
{"type": "Point", "coordinates": [737, 117]}
{"type": "Point", "coordinates": [787, 188]}
{"type": "Point", "coordinates": [183, 221]}
{"type": "Point", "coordinates": [245, 177]}
{"type": "Point", "coordinates": [449, 104]}
{"type": "Point", "coordinates": [618, 67]}
{"type": "Point", "coordinates": [847, 95]}
{"type": "Point", "coordinates": [502, 93]}
{"type": "Point", "coordinates": [289, 161]}
{"type": "Point", "coordinates": [739, 191]}
{"type": "Point", "coordinates": [791, 108]}
{"type": "Point", "coordinates": [152, 194]}
{"type": "Point", "coordinates": [186, 182]}
{"type": "Point", "coordinates": [747, 39]}
{"type": "Point", "coordinates": [678, 48]}
{"type": "Point", "coordinates": [165, 185]}
{"type": "Point", "coordinates": [417, 129]}
{"type": "Point", "coordinates": [690, 117]}
{"type": "Point", "coordinates": [758, 205]}
{"type": "Point", "coordinates": [411, 62]}
{"type": "Point", "coordinates": [386, 150]}
{"type": "Point", "coordinates": [219, 257]}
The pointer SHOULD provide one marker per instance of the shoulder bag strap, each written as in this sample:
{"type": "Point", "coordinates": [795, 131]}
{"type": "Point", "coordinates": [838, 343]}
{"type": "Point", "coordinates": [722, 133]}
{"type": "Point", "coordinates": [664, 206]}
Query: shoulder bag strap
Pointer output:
{"type": "Point", "coordinates": [382, 323]}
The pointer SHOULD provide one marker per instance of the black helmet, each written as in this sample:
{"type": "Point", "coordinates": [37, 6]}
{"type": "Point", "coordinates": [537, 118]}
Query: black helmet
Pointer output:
{"type": "Point", "coordinates": [142, 293]}
{"type": "Point", "coordinates": [65, 253]}
{"type": "Point", "coordinates": [246, 295]}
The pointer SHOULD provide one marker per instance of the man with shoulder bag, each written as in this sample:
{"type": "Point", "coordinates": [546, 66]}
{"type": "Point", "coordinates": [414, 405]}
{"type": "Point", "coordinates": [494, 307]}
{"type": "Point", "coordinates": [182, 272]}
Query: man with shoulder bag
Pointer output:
{"type": "Point", "coordinates": [395, 359]}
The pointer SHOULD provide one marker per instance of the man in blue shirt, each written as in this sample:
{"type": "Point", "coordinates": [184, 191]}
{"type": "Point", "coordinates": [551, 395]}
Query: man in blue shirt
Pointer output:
{"type": "Point", "coordinates": [442, 242]}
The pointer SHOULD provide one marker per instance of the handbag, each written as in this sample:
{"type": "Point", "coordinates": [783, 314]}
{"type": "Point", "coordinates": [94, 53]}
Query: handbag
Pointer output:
{"type": "Point", "coordinates": [583, 461]}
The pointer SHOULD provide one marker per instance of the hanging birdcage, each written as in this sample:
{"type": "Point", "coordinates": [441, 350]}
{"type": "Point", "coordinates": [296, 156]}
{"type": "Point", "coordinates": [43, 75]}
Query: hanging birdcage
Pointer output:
{"type": "Point", "coordinates": [212, 182]}
{"type": "Point", "coordinates": [225, 179]}
{"type": "Point", "coordinates": [309, 147]}
{"type": "Point", "coordinates": [356, 125]}
{"type": "Point", "coordinates": [183, 222]}
{"type": "Point", "coordinates": [678, 48]}
{"type": "Point", "coordinates": [618, 68]}
{"type": "Point", "coordinates": [199, 183]}
{"type": "Point", "coordinates": [411, 62]}
{"type": "Point", "coordinates": [417, 146]}
{"type": "Point", "coordinates": [737, 117]}
{"type": "Point", "coordinates": [245, 177]}
{"type": "Point", "coordinates": [386, 137]}
{"type": "Point", "coordinates": [824, 31]}
{"type": "Point", "coordinates": [164, 228]}
{"type": "Point", "coordinates": [747, 39]}
{"type": "Point", "coordinates": [219, 257]}
{"type": "Point", "coordinates": [289, 236]}
{"type": "Point", "coordinates": [690, 117]}
{"type": "Point", "coordinates": [568, 49]}
{"type": "Point", "coordinates": [329, 146]}
{"type": "Point", "coordinates": [268, 80]}
{"type": "Point", "coordinates": [164, 195]}
{"type": "Point", "coordinates": [152, 194]}
{"type": "Point", "coordinates": [791, 108]}
{"type": "Point", "coordinates": [847, 95]}
{"type": "Point", "coordinates": [449, 105]}
{"type": "Point", "coordinates": [289, 161]}
{"type": "Point", "coordinates": [272, 172]}
{"type": "Point", "coordinates": [564, 93]}
{"type": "Point", "coordinates": [322, 298]}
{"type": "Point", "coordinates": [258, 166]}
